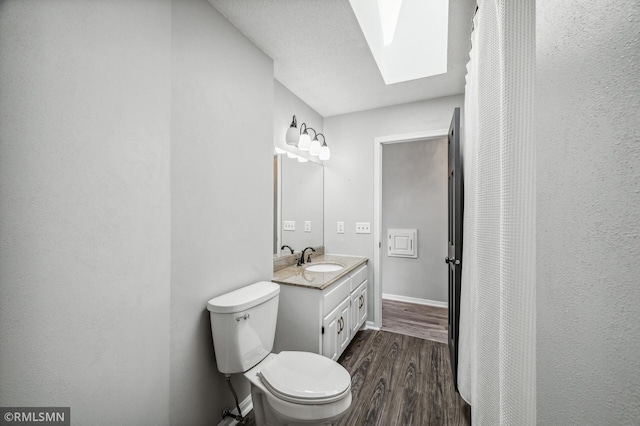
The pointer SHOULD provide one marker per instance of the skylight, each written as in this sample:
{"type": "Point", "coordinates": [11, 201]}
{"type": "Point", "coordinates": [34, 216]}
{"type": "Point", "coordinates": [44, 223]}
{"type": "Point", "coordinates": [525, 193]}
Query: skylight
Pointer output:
{"type": "Point", "coordinates": [389, 11]}
{"type": "Point", "coordinates": [408, 38]}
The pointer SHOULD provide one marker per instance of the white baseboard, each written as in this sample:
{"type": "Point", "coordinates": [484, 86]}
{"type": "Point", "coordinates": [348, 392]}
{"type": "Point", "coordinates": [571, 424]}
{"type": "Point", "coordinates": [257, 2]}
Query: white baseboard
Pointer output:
{"type": "Point", "coordinates": [415, 300]}
{"type": "Point", "coordinates": [245, 406]}
{"type": "Point", "coordinates": [369, 325]}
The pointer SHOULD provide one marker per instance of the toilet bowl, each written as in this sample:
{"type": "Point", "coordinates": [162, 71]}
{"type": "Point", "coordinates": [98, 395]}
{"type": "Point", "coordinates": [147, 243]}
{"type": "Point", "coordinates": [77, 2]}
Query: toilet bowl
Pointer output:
{"type": "Point", "coordinates": [299, 388]}
{"type": "Point", "coordinates": [290, 388]}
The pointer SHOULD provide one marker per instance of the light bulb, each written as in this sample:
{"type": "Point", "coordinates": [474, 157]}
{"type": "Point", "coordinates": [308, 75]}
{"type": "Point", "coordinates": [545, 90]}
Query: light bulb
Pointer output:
{"type": "Point", "coordinates": [305, 142]}
{"type": "Point", "coordinates": [291, 155]}
{"type": "Point", "coordinates": [292, 133]}
{"type": "Point", "coordinates": [302, 160]}
{"type": "Point", "coordinates": [292, 136]}
{"type": "Point", "coordinates": [315, 147]}
{"type": "Point", "coordinates": [325, 153]}
{"type": "Point", "coordinates": [279, 150]}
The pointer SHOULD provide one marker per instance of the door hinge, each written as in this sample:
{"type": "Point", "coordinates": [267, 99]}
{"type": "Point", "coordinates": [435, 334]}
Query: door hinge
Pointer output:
{"type": "Point", "coordinates": [323, 329]}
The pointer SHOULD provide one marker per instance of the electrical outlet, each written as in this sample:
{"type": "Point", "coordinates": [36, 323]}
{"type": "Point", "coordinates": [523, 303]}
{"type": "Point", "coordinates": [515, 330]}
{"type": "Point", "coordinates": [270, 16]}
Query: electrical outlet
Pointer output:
{"type": "Point", "coordinates": [289, 225]}
{"type": "Point", "coordinates": [307, 226]}
{"type": "Point", "coordinates": [363, 227]}
{"type": "Point", "coordinates": [340, 227]}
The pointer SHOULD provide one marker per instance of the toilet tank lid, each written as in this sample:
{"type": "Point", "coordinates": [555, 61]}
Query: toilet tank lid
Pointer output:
{"type": "Point", "coordinates": [244, 298]}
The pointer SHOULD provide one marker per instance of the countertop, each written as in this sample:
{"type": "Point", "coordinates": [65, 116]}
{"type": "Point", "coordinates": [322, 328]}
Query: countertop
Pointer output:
{"type": "Point", "coordinates": [297, 276]}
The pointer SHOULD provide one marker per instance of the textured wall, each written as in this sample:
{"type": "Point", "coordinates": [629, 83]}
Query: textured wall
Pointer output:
{"type": "Point", "coordinates": [84, 208]}
{"type": "Point", "coordinates": [414, 195]}
{"type": "Point", "coordinates": [349, 175]}
{"type": "Point", "coordinates": [588, 181]}
{"type": "Point", "coordinates": [221, 193]}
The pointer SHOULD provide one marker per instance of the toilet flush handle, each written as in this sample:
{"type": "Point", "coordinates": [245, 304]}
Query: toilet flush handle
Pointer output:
{"type": "Point", "coordinates": [243, 317]}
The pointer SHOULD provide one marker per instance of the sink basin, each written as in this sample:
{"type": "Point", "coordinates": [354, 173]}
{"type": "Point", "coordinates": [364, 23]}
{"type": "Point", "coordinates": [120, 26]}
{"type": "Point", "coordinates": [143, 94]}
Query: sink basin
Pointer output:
{"type": "Point", "coordinates": [324, 267]}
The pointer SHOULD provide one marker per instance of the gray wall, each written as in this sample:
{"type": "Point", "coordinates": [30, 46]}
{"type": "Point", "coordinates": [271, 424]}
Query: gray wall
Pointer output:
{"type": "Point", "coordinates": [348, 176]}
{"type": "Point", "coordinates": [85, 208]}
{"type": "Point", "coordinates": [588, 204]}
{"type": "Point", "coordinates": [221, 193]}
{"type": "Point", "coordinates": [414, 195]}
{"type": "Point", "coordinates": [135, 184]}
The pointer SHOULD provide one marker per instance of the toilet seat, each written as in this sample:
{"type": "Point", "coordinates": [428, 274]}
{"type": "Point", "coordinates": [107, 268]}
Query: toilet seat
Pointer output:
{"type": "Point", "coordinates": [305, 378]}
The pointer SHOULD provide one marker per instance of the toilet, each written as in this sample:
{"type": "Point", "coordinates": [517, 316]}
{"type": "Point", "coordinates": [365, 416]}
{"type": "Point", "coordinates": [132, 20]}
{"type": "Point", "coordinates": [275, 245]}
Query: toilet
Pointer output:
{"type": "Point", "coordinates": [290, 388]}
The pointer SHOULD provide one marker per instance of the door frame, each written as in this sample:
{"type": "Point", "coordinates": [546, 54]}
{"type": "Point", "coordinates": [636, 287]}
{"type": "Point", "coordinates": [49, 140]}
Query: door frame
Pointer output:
{"type": "Point", "coordinates": [377, 206]}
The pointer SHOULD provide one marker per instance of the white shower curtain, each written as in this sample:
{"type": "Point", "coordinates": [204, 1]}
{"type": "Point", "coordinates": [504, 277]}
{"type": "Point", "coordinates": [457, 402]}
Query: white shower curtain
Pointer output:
{"type": "Point", "coordinates": [496, 369]}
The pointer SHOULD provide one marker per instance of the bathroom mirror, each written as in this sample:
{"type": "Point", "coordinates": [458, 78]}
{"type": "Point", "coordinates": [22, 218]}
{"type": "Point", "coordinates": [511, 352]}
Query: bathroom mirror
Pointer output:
{"type": "Point", "coordinates": [298, 198]}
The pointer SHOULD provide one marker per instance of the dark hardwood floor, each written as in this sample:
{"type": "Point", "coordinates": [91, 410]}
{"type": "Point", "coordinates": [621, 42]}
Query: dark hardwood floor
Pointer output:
{"type": "Point", "coordinates": [425, 322]}
{"type": "Point", "coordinates": [401, 380]}
{"type": "Point", "coordinates": [401, 375]}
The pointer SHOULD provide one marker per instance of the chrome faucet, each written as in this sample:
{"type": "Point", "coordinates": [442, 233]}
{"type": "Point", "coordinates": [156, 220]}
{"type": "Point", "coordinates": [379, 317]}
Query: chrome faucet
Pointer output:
{"type": "Point", "coordinates": [301, 260]}
{"type": "Point", "coordinates": [285, 246]}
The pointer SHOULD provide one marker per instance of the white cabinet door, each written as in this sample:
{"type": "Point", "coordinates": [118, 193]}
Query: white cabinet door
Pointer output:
{"type": "Point", "coordinates": [362, 306]}
{"type": "Point", "coordinates": [336, 331]}
{"type": "Point", "coordinates": [344, 335]}
{"type": "Point", "coordinates": [355, 311]}
{"type": "Point", "coordinates": [358, 307]}
{"type": "Point", "coordinates": [330, 335]}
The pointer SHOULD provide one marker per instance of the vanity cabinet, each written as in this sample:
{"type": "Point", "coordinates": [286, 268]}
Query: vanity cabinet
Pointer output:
{"type": "Point", "coordinates": [322, 321]}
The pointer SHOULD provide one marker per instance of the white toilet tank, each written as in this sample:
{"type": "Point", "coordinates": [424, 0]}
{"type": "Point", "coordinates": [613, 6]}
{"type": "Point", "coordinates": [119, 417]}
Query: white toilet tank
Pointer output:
{"type": "Point", "coordinates": [243, 325]}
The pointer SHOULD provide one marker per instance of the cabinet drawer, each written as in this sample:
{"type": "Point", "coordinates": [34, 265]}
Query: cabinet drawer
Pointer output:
{"type": "Point", "coordinates": [358, 277]}
{"type": "Point", "coordinates": [334, 295]}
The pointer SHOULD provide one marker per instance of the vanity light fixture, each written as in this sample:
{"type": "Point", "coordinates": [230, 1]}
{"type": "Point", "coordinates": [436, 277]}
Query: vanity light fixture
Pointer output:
{"type": "Point", "coordinates": [302, 160]}
{"type": "Point", "coordinates": [292, 135]}
{"type": "Point", "coordinates": [305, 140]}
{"type": "Point", "coordinates": [325, 153]}
{"type": "Point", "coordinates": [279, 150]}
{"type": "Point", "coordinates": [304, 143]}
{"type": "Point", "coordinates": [315, 145]}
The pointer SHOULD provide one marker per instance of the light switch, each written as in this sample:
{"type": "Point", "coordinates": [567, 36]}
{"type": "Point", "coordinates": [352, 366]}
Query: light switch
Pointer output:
{"type": "Point", "coordinates": [289, 225]}
{"type": "Point", "coordinates": [363, 227]}
{"type": "Point", "coordinates": [340, 227]}
{"type": "Point", "coordinates": [307, 226]}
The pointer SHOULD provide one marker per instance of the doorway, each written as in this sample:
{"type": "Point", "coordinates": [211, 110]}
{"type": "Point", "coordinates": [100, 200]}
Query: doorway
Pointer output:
{"type": "Point", "coordinates": [414, 228]}
{"type": "Point", "coordinates": [417, 298]}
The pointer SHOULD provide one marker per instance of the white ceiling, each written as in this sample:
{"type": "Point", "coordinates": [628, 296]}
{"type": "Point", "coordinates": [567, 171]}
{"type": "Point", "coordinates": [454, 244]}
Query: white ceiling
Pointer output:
{"type": "Point", "coordinates": [321, 55]}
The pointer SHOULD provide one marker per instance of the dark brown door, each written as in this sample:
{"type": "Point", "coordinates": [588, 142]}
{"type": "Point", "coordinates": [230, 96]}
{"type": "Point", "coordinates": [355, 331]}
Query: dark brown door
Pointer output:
{"type": "Point", "coordinates": [454, 256]}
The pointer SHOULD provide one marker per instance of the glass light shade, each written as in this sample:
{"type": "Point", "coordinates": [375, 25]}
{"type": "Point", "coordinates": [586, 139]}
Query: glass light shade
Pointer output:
{"type": "Point", "coordinates": [325, 153]}
{"type": "Point", "coordinates": [291, 155]}
{"type": "Point", "coordinates": [305, 142]}
{"type": "Point", "coordinates": [302, 160]}
{"type": "Point", "coordinates": [279, 150]}
{"type": "Point", "coordinates": [292, 136]}
{"type": "Point", "coordinates": [315, 147]}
